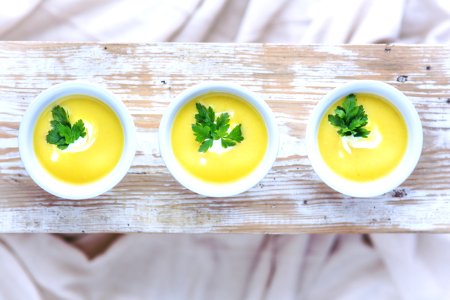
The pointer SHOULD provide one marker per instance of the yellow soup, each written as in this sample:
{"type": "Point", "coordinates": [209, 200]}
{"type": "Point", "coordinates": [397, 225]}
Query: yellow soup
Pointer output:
{"type": "Point", "coordinates": [365, 159]}
{"type": "Point", "coordinates": [220, 166]}
{"type": "Point", "coordinates": [89, 158]}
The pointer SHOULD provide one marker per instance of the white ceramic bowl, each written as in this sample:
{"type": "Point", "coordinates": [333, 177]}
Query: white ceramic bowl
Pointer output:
{"type": "Point", "coordinates": [212, 189]}
{"type": "Point", "coordinates": [51, 184]}
{"type": "Point", "coordinates": [406, 165]}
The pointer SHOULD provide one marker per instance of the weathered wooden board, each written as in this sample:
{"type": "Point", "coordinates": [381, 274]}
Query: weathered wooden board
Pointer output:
{"type": "Point", "coordinates": [291, 78]}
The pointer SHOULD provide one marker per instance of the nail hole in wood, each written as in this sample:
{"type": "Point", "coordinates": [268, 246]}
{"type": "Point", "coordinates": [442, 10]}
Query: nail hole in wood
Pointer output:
{"type": "Point", "coordinates": [399, 193]}
{"type": "Point", "coordinates": [402, 78]}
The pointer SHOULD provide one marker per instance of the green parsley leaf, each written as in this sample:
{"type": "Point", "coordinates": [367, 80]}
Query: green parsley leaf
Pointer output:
{"type": "Point", "coordinates": [221, 132]}
{"type": "Point", "coordinates": [350, 118]}
{"type": "Point", "coordinates": [78, 129]}
{"type": "Point", "coordinates": [222, 120]}
{"type": "Point", "coordinates": [63, 133]}
{"type": "Point", "coordinates": [60, 115]}
{"type": "Point", "coordinates": [236, 134]}
{"type": "Point", "coordinates": [208, 128]}
{"type": "Point", "coordinates": [201, 132]}
{"type": "Point", "coordinates": [227, 142]}
{"type": "Point", "coordinates": [205, 115]}
{"type": "Point", "coordinates": [206, 145]}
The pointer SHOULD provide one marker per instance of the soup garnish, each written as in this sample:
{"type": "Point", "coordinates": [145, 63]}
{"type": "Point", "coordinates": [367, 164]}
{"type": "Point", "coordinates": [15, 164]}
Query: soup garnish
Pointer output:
{"type": "Point", "coordinates": [63, 133]}
{"type": "Point", "coordinates": [208, 128]}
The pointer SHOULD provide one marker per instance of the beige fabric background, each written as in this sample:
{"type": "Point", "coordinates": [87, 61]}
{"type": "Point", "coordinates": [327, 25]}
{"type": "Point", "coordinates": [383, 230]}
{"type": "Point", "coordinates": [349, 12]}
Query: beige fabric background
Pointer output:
{"type": "Point", "coordinates": [315, 267]}
{"type": "Point", "coordinates": [290, 21]}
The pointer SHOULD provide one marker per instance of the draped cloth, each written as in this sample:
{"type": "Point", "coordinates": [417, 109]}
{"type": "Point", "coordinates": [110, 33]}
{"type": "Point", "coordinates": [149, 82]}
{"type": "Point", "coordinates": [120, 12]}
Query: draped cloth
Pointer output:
{"type": "Point", "coordinates": [207, 266]}
{"type": "Point", "coordinates": [181, 266]}
{"type": "Point", "coordinates": [285, 21]}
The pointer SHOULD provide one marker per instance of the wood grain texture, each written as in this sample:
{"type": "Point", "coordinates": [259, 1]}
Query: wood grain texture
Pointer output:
{"type": "Point", "coordinates": [291, 78]}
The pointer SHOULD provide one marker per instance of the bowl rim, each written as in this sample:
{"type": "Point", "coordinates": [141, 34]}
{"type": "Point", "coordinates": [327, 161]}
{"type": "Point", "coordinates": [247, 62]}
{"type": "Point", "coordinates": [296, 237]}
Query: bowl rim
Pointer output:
{"type": "Point", "coordinates": [404, 168]}
{"type": "Point", "coordinates": [43, 178]}
{"type": "Point", "coordinates": [197, 185]}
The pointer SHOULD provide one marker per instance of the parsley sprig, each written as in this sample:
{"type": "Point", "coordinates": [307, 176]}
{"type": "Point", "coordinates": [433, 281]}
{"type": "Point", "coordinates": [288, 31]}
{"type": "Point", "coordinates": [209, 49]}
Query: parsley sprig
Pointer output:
{"type": "Point", "coordinates": [63, 133]}
{"type": "Point", "coordinates": [208, 128]}
{"type": "Point", "coordinates": [350, 118]}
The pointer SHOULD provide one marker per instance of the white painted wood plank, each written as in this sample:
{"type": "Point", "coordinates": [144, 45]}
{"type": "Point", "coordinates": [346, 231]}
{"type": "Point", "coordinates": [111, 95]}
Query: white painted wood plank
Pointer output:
{"type": "Point", "coordinates": [290, 199]}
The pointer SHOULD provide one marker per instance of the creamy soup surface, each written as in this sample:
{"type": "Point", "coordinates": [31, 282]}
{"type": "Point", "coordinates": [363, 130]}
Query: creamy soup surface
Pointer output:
{"type": "Point", "coordinates": [365, 159]}
{"type": "Point", "coordinates": [90, 158]}
{"type": "Point", "coordinates": [220, 165]}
